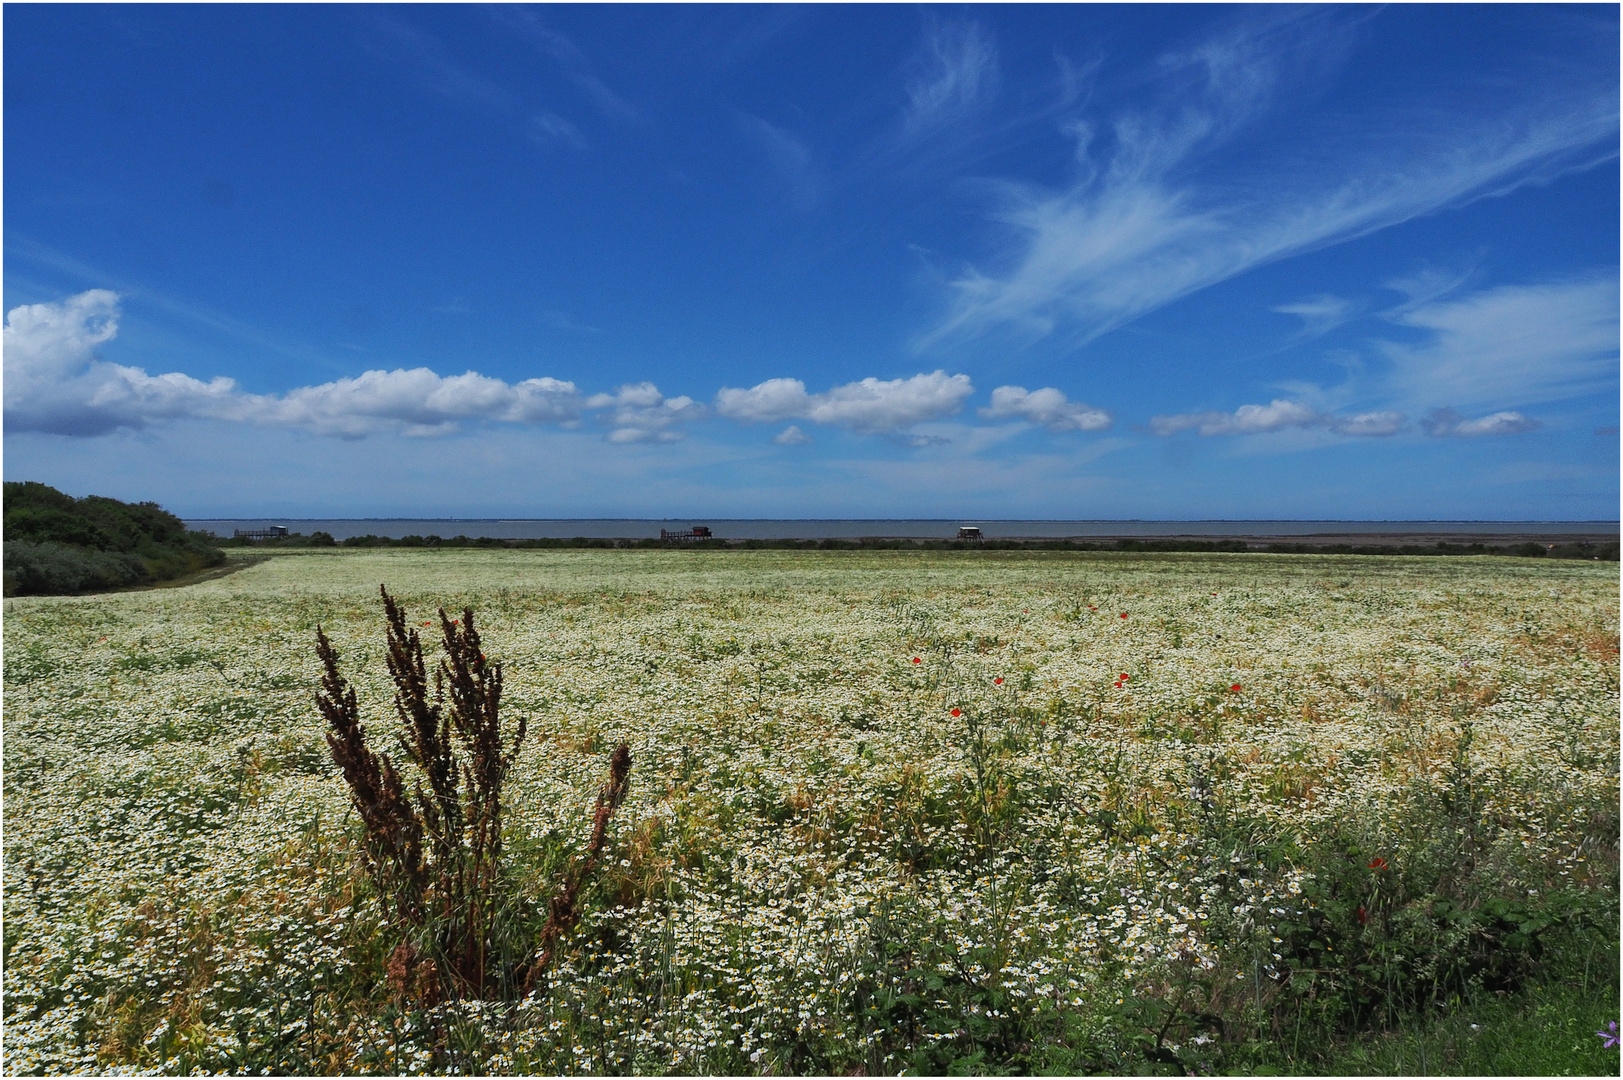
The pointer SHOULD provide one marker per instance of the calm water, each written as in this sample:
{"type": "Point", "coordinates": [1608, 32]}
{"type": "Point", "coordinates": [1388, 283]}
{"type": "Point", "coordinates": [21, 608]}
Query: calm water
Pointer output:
{"type": "Point", "coordinates": [818, 529]}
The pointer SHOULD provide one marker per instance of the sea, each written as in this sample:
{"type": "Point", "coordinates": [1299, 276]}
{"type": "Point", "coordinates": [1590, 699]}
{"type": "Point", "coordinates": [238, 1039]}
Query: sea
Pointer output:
{"type": "Point", "coordinates": [900, 528]}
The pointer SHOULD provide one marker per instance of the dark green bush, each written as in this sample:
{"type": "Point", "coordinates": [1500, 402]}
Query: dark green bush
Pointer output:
{"type": "Point", "coordinates": [57, 544]}
{"type": "Point", "coordinates": [55, 568]}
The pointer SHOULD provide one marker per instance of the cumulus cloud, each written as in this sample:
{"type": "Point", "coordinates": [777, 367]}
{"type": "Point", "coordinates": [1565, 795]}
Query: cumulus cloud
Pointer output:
{"type": "Point", "coordinates": [1278, 415]}
{"type": "Point", "coordinates": [55, 383]}
{"type": "Point", "coordinates": [53, 342]}
{"type": "Point", "coordinates": [640, 413]}
{"type": "Point", "coordinates": [791, 436]}
{"type": "Point", "coordinates": [420, 402]}
{"type": "Point", "coordinates": [1246, 420]}
{"type": "Point", "coordinates": [1048, 407]}
{"type": "Point", "coordinates": [874, 405]}
{"type": "Point", "coordinates": [765, 403]}
{"type": "Point", "coordinates": [871, 406]}
{"type": "Point", "coordinates": [1446, 422]}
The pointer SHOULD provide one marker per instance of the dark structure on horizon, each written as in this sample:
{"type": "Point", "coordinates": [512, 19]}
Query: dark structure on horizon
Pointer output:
{"type": "Point", "coordinates": [698, 532]}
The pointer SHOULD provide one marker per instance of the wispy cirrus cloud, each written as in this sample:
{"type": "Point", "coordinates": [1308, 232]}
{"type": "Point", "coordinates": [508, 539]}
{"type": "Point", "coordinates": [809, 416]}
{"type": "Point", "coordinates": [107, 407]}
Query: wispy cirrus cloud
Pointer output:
{"type": "Point", "coordinates": [431, 63]}
{"type": "Point", "coordinates": [1501, 349]}
{"type": "Point", "coordinates": [546, 127]}
{"type": "Point", "coordinates": [1511, 346]}
{"type": "Point", "coordinates": [1319, 314]}
{"type": "Point", "coordinates": [955, 73]}
{"type": "Point", "coordinates": [1160, 205]}
{"type": "Point", "coordinates": [570, 60]}
{"type": "Point", "coordinates": [791, 158]}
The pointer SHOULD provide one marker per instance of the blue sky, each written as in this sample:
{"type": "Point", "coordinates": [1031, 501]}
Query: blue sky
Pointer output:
{"type": "Point", "coordinates": [986, 261]}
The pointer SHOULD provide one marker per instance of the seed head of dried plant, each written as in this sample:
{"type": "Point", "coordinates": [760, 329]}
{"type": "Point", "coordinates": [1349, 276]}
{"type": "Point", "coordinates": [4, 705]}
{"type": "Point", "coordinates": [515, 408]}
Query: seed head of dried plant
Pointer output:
{"type": "Point", "coordinates": [435, 853]}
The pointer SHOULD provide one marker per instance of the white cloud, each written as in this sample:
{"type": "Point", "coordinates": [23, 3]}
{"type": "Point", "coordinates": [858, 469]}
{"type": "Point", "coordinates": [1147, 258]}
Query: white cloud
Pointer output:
{"type": "Point", "coordinates": [1386, 422]}
{"type": "Point", "coordinates": [1278, 415]}
{"type": "Point", "coordinates": [871, 406]}
{"type": "Point", "coordinates": [1511, 346]}
{"type": "Point", "coordinates": [790, 158]}
{"type": "Point", "coordinates": [431, 63]}
{"type": "Point", "coordinates": [640, 413]}
{"type": "Point", "coordinates": [573, 62]}
{"type": "Point", "coordinates": [1319, 314]}
{"type": "Point", "coordinates": [419, 402]}
{"type": "Point", "coordinates": [956, 72]}
{"type": "Point", "coordinates": [547, 126]}
{"type": "Point", "coordinates": [1446, 422]}
{"type": "Point", "coordinates": [791, 436]}
{"type": "Point", "coordinates": [1246, 420]}
{"type": "Point", "coordinates": [1048, 407]}
{"type": "Point", "coordinates": [765, 403]}
{"type": "Point", "coordinates": [1161, 205]}
{"type": "Point", "coordinates": [55, 383]}
{"type": "Point", "coordinates": [53, 342]}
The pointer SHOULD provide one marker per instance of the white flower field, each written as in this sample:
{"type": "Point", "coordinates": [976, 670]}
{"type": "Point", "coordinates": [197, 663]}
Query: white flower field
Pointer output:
{"type": "Point", "coordinates": [888, 810]}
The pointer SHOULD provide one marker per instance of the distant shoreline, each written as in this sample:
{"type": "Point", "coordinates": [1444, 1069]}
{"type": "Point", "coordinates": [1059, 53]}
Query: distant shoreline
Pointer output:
{"type": "Point", "coordinates": [1316, 532]}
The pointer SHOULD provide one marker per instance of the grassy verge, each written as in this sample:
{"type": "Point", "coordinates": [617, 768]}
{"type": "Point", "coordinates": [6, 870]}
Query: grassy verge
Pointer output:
{"type": "Point", "coordinates": [1548, 1029]}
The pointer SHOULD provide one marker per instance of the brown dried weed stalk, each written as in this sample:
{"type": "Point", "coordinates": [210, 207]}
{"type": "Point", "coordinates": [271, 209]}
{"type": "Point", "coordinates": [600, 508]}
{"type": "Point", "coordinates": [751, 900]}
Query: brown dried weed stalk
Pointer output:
{"type": "Point", "coordinates": [435, 853]}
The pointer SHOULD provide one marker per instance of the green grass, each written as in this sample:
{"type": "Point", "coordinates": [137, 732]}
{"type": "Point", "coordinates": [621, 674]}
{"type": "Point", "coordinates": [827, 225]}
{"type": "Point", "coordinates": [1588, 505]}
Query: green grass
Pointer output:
{"type": "Point", "coordinates": [1548, 1029]}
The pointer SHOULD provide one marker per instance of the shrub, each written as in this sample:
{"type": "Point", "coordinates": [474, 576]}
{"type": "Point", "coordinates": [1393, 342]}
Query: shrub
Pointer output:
{"type": "Point", "coordinates": [58, 544]}
{"type": "Point", "coordinates": [53, 568]}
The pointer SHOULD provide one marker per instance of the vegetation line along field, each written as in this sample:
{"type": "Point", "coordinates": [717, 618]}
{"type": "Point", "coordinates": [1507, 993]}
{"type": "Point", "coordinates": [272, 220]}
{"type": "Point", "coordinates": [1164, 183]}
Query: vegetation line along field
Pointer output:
{"type": "Point", "coordinates": [890, 811]}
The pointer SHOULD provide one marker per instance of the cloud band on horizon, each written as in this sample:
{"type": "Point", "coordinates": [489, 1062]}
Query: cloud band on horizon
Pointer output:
{"type": "Point", "coordinates": [56, 384]}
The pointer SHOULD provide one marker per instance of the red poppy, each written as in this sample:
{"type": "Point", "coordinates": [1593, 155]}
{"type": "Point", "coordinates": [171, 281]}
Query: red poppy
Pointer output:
{"type": "Point", "coordinates": [955, 712]}
{"type": "Point", "coordinates": [998, 681]}
{"type": "Point", "coordinates": [1124, 614]}
{"type": "Point", "coordinates": [1025, 611]}
{"type": "Point", "coordinates": [1117, 684]}
{"type": "Point", "coordinates": [1124, 676]}
{"type": "Point", "coordinates": [1377, 864]}
{"type": "Point", "coordinates": [1363, 916]}
{"type": "Point", "coordinates": [916, 660]}
{"type": "Point", "coordinates": [1235, 688]}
